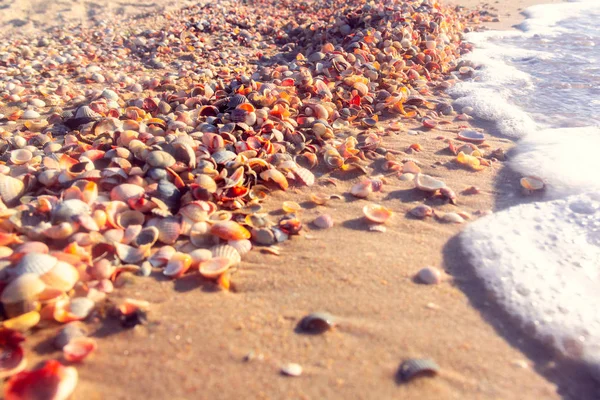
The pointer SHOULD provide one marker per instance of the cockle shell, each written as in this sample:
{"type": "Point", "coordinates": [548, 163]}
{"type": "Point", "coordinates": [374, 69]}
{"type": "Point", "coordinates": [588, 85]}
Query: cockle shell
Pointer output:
{"type": "Point", "coordinates": [226, 251]}
{"type": "Point", "coordinates": [34, 263]}
{"type": "Point", "coordinates": [11, 190]}
{"type": "Point", "coordinates": [214, 267]}
{"type": "Point", "coordinates": [21, 295]}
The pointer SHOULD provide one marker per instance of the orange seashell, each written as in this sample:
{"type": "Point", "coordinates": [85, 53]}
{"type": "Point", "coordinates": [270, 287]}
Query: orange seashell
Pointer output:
{"type": "Point", "coordinates": [79, 348]}
{"type": "Point", "coordinates": [178, 265]}
{"type": "Point", "coordinates": [229, 230]}
{"type": "Point", "coordinates": [53, 381]}
{"type": "Point", "coordinates": [214, 267]}
{"type": "Point", "coordinates": [376, 213]}
{"type": "Point", "coordinates": [275, 176]}
{"type": "Point", "coordinates": [9, 238]}
{"type": "Point", "coordinates": [129, 306]}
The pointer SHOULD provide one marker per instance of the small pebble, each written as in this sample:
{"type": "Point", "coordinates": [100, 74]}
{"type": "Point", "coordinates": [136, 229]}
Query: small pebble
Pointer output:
{"type": "Point", "coordinates": [291, 369]}
{"type": "Point", "coordinates": [429, 276]}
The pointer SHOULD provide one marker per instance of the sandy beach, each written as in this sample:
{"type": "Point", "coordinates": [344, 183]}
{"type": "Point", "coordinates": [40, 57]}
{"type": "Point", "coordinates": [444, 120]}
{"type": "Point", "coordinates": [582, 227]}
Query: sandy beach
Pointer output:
{"type": "Point", "coordinates": [202, 342]}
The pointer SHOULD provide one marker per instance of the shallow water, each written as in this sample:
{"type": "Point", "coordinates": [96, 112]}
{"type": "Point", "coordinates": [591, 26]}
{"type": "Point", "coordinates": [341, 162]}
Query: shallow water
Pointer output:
{"type": "Point", "coordinates": [541, 85]}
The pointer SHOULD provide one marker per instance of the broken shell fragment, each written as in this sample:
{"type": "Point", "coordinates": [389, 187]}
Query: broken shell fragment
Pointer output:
{"type": "Point", "coordinates": [414, 368]}
{"type": "Point", "coordinates": [377, 213]}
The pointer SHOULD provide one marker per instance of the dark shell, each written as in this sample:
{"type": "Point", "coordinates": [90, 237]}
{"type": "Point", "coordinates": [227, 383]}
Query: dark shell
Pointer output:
{"type": "Point", "coordinates": [236, 100]}
{"type": "Point", "coordinates": [317, 322]}
{"type": "Point", "coordinates": [415, 367]}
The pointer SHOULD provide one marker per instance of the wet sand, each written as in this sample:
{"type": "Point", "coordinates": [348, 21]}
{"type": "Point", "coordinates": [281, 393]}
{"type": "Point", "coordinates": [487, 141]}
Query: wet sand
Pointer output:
{"type": "Point", "coordinates": [203, 343]}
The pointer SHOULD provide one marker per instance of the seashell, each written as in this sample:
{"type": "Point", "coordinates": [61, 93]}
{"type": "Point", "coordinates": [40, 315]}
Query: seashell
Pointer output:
{"type": "Point", "coordinates": [130, 217]}
{"type": "Point", "coordinates": [81, 307]}
{"type": "Point", "coordinates": [130, 255]}
{"type": "Point", "coordinates": [469, 135]}
{"type": "Point", "coordinates": [362, 189]}
{"type": "Point", "coordinates": [413, 368]}
{"type": "Point", "coordinates": [428, 183]}
{"type": "Point", "coordinates": [86, 112]}
{"type": "Point", "coordinates": [12, 356]}
{"type": "Point", "coordinates": [147, 236]}
{"type": "Point", "coordinates": [32, 247]}
{"type": "Point", "coordinates": [421, 211]}
{"type": "Point", "coordinates": [177, 265]}
{"type": "Point", "coordinates": [324, 221]}
{"type": "Point", "coordinates": [317, 322]}
{"type": "Point", "coordinates": [30, 114]}
{"type": "Point", "coordinates": [429, 275]}
{"type": "Point", "coordinates": [242, 246]}
{"type": "Point", "coordinates": [20, 156]}
{"type": "Point", "coordinates": [451, 217]}
{"type": "Point", "coordinates": [79, 348]}
{"type": "Point", "coordinates": [169, 229]}
{"type": "Point", "coordinates": [67, 209]}
{"type": "Point", "coordinates": [376, 213]}
{"type": "Point", "coordinates": [11, 190]}
{"type": "Point", "coordinates": [160, 159]}
{"type": "Point", "coordinates": [229, 230]}
{"type": "Point", "coordinates": [226, 251]}
{"type": "Point", "coordinates": [291, 369]}
{"type": "Point", "coordinates": [469, 161]}
{"type": "Point", "coordinates": [52, 381]}
{"type": "Point", "coordinates": [69, 332]}
{"type": "Point", "coordinates": [263, 236]}
{"type": "Point", "coordinates": [126, 192]}
{"type": "Point", "coordinates": [236, 100]}
{"type": "Point", "coordinates": [223, 156]}
{"type": "Point", "coordinates": [101, 269]}
{"type": "Point", "coordinates": [276, 177]}
{"type": "Point", "coordinates": [214, 267]}
{"type": "Point", "coordinates": [291, 207]}
{"type": "Point", "coordinates": [63, 276]}
{"type": "Point", "coordinates": [532, 183]}
{"type": "Point", "coordinates": [200, 255]}
{"type": "Point", "coordinates": [34, 263]}
{"type": "Point", "coordinates": [49, 177]}
{"type": "Point", "coordinates": [200, 234]}
{"type": "Point", "coordinates": [410, 167]}
{"type": "Point", "coordinates": [304, 176]}
{"type": "Point", "coordinates": [23, 322]}
{"type": "Point", "coordinates": [20, 296]}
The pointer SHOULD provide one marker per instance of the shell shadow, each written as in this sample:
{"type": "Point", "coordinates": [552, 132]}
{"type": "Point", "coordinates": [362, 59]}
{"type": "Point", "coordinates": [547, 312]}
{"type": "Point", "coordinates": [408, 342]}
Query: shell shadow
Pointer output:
{"type": "Point", "coordinates": [406, 195]}
{"type": "Point", "coordinates": [357, 224]}
{"type": "Point", "coordinates": [191, 282]}
{"type": "Point", "coordinates": [573, 378]}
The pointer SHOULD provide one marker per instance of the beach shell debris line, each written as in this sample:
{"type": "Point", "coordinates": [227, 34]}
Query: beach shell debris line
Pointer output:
{"type": "Point", "coordinates": [124, 149]}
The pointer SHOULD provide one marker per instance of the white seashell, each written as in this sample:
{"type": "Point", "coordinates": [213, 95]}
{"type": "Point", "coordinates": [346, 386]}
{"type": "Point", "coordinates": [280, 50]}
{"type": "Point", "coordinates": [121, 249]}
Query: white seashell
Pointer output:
{"type": "Point", "coordinates": [34, 263]}
{"type": "Point", "coordinates": [11, 190]}
{"type": "Point", "coordinates": [30, 114]}
{"type": "Point", "coordinates": [428, 183]}
{"type": "Point", "coordinates": [226, 251]}
{"type": "Point", "coordinates": [86, 112]}
{"type": "Point", "coordinates": [242, 246]}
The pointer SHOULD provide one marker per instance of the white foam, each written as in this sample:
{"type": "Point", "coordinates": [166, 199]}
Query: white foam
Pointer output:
{"type": "Point", "coordinates": [542, 262]}
{"type": "Point", "coordinates": [543, 18]}
{"type": "Point", "coordinates": [566, 159]}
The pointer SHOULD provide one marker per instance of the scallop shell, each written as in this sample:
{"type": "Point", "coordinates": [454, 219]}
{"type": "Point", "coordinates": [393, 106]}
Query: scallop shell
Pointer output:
{"type": "Point", "coordinates": [428, 183]}
{"type": "Point", "coordinates": [11, 190]}
{"type": "Point", "coordinates": [12, 356]}
{"type": "Point", "coordinates": [34, 263]}
{"type": "Point", "coordinates": [242, 246]}
{"type": "Point", "coordinates": [377, 213]}
{"type": "Point", "coordinates": [226, 251]}
{"type": "Point", "coordinates": [317, 322]}
{"type": "Point", "coordinates": [414, 368]}
{"type": "Point", "coordinates": [229, 230]}
{"type": "Point", "coordinates": [214, 267]}
{"type": "Point", "coordinates": [81, 307]}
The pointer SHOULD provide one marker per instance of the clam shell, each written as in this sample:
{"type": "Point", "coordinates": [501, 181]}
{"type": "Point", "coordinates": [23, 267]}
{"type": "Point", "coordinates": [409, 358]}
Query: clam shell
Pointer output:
{"type": "Point", "coordinates": [69, 208]}
{"type": "Point", "coordinates": [126, 192]}
{"type": "Point", "coordinates": [304, 176]}
{"type": "Point", "coordinates": [229, 230]}
{"type": "Point", "coordinates": [413, 368]}
{"type": "Point", "coordinates": [199, 256]}
{"type": "Point", "coordinates": [264, 236]}
{"type": "Point", "coordinates": [226, 251]}
{"type": "Point", "coordinates": [160, 159]}
{"type": "Point", "coordinates": [428, 183]}
{"type": "Point", "coordinates": [317, 322]}
{"type": "Point", "coordinates": [130, 217]}
{"type": "Point", "coordinates": [86, 112]}
{"type": "Point", "coordinates": [214, 267]}
{"type": "Point", "coordinates": [147, 236]}
{"type": "Point", "coordinates": [130, 255]}
{"type": "Point", "coordinates": [11, 190]}
{"type": "Point", "coordinates": [178, 265]}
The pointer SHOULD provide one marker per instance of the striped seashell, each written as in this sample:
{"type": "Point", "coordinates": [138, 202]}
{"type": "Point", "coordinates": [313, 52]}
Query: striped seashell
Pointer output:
{"type": "Point", "coordinates": [413, 368]}
{"type": "Point", "coordinates": [34, 263]}
{"type": "Point", "coordinates": [169, 229]}
{"type": "Point", "coordinates": [11, 190]}
{"type": "Point", "coordinates": [304, 176]}
{"type": "Point", "coordinates": [86, 112]}
{"type": "Point", "coordinates": [242, 246]}
{"type": "Point", "coordinates": [223, 156]}
{"type": "Point", "coordinates": [226, 251]}
{"type": "Point", "coordinates": [236, 100]}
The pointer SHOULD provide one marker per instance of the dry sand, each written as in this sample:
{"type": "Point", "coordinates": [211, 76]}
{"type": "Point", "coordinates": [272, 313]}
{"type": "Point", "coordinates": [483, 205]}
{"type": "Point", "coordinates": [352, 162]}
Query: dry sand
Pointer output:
{"type": "Point", "coordinates": [196, 342]}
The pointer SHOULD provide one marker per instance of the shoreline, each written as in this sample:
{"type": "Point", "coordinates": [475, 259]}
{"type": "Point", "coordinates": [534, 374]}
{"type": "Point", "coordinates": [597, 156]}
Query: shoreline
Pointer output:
{"type": "Point", "coordinates": [198, 340]}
